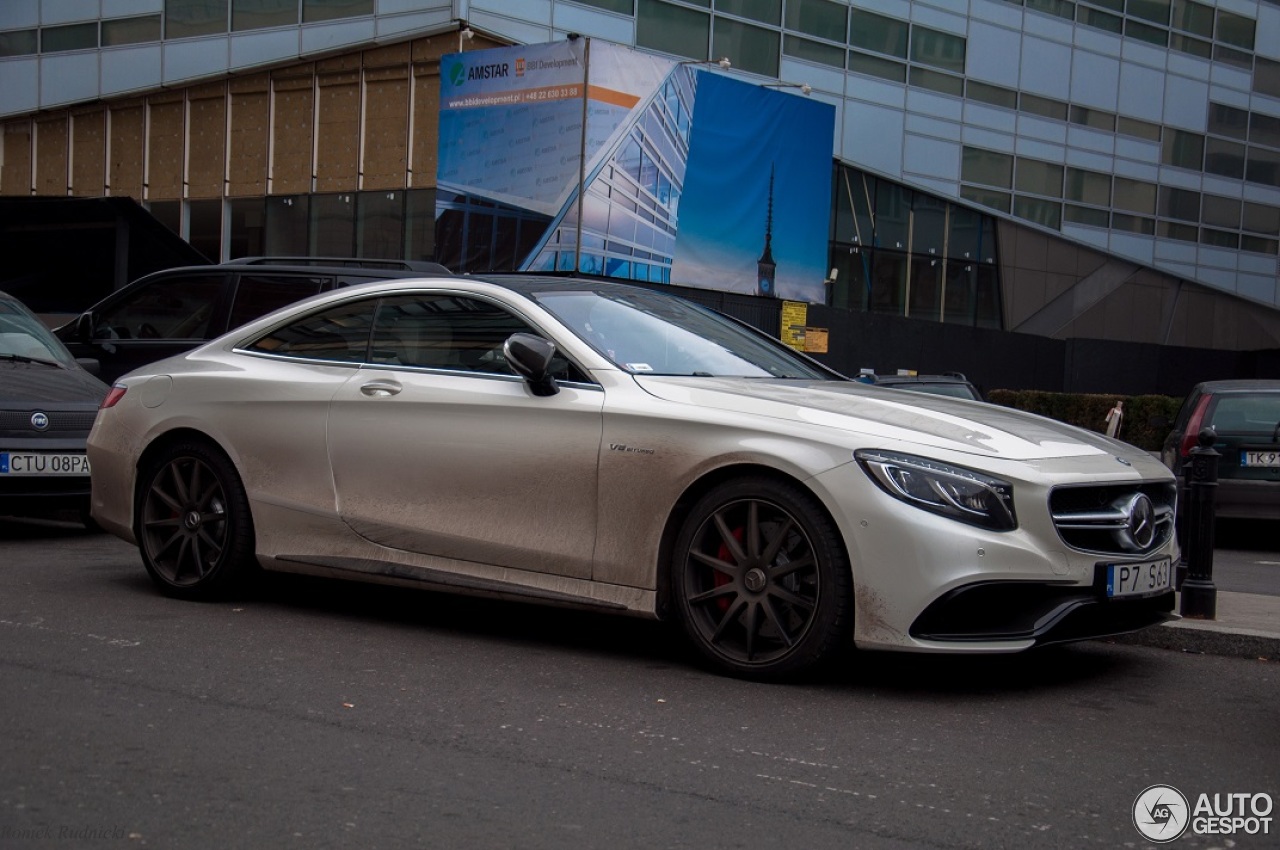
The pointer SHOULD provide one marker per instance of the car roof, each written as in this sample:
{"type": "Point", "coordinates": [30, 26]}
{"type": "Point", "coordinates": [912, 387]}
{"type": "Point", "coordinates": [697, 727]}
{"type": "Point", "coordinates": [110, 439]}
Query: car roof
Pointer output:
{"type": "Point", "coordinates": [1238, 385]}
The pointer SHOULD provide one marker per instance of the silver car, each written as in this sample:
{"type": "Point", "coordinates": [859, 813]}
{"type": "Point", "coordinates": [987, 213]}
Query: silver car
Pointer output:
{"type": "Point", "coordinates": [602, 446]}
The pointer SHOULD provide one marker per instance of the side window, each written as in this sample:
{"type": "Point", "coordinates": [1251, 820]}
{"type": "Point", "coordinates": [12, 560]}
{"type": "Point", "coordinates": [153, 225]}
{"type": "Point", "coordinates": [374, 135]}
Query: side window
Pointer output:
{"type": "Point", "coordinates": [450, 332]}
{"type": "Point", "coordinates": [339, 333]}
{"type": "Point", "coordinates": [166, 308]}
{"type": "Point", "coordinates": [257, 295]}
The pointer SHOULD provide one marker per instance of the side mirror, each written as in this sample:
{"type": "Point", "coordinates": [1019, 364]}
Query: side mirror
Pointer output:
{"type": "Point", "coordinates": [530, 357]}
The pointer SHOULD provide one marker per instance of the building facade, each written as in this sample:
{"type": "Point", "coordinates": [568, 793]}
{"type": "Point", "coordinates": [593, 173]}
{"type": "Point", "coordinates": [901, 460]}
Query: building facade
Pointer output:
{"type": "Point", "coordinates": [1106, 169]}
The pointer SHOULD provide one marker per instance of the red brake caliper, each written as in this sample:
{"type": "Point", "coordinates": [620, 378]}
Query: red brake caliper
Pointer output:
{"type": "Point", "coordinates": [720, 578]}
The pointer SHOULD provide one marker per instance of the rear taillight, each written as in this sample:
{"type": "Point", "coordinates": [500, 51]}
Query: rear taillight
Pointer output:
{"type": "Point", "coordinates": [114, 395]}
{"type": "Point", "coordinates": [1191, 436]}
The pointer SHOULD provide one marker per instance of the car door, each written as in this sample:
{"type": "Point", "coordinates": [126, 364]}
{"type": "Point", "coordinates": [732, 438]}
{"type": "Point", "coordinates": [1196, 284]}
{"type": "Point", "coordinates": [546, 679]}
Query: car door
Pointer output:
{"type": "Point", "coordinates": [157, 318]}
{"type": "Point", "coordinates": [437, 448]}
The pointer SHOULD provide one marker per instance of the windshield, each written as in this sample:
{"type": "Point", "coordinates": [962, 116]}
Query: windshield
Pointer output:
{"type": "Point", "coordinates": [655, 334]}
{"type": "Point", "coordinates": [23, 337]}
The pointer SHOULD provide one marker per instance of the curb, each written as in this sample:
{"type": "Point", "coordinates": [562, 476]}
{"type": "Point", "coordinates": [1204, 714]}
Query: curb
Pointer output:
{"type": "Point", "coordinates": [1199, 636]}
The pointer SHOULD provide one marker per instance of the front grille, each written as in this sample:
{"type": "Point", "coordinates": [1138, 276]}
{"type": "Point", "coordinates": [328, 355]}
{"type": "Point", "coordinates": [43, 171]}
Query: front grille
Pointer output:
{"type": "Point", "coordinates": [17, 423]}
{"type": "Point", "coordinates": [1110, 519]}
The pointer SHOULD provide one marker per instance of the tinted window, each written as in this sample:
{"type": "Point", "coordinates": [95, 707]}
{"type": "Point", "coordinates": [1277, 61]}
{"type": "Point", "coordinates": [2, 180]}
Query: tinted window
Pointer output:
{"type": "Point", "coordinates": [257, 295]}
{"type": "Point", "coordinates": [450, 332]}
{"type": "Point", "coordinates": [166, 308]}
{"type": "Point", "coordinates": [340, 333]}
{"type": "Point", "coordinates": [1236, 413]}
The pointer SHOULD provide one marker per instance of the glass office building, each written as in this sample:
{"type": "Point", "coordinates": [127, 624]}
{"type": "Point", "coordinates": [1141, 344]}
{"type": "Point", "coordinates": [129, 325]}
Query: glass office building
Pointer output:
{"type": "Point", "coordinates": [1105, 168]}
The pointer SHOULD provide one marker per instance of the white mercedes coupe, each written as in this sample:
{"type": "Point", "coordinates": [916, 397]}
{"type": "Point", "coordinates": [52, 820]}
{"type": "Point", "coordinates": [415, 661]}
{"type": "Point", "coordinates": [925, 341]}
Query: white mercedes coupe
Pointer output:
{"type": "Point", "coordinates": [597, 445]}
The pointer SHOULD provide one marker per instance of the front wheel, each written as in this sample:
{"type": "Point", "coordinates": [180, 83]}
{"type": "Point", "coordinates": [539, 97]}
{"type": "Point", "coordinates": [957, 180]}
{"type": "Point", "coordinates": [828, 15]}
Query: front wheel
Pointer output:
{"type": "Point", "coordinates": [194, 528]}
{"type": "Point", "coordinates": [761, 579]}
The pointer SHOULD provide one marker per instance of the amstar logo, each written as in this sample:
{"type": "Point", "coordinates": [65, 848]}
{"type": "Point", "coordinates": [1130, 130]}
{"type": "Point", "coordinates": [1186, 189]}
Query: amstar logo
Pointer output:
{"type": "Point", "coordinates": [457, 74]}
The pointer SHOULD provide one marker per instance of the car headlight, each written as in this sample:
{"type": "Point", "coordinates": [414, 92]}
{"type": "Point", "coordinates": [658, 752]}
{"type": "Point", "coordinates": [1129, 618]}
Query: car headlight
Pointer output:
{"type": "Point", "coordinates": [940, 488]}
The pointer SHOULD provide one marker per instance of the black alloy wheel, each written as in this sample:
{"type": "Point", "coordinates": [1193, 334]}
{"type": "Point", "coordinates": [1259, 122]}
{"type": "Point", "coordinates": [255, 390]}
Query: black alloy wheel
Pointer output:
{"type": "Point", "coordinates": [762, 581]}
{"type": "Point", "coordinates": [194, 528]}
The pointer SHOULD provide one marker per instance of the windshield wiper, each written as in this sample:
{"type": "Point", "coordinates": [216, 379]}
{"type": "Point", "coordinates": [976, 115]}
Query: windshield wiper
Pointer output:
{"type": "Point", "coordinates": [22, 358]}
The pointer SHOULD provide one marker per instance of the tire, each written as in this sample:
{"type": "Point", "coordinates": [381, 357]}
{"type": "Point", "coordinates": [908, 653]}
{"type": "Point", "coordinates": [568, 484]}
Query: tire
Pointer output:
{"type": "Point", "coordinates": [192, 523]}
{"type": "Point", "coordinates": [761, 580]}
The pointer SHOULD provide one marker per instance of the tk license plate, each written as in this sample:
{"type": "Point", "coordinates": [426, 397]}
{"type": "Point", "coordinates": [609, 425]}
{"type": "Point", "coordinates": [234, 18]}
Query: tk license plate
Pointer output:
{"type": "Point", "coordinates": [1144, 579]}
{"type": "Point", "coordinates": [1263, 458]}
{"type": "Point", "coordinates": [35, 463]}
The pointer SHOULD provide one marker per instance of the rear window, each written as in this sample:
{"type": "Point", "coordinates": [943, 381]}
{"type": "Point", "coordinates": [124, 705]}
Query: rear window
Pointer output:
{"type": "Point", "coordinates": [1244, 413]}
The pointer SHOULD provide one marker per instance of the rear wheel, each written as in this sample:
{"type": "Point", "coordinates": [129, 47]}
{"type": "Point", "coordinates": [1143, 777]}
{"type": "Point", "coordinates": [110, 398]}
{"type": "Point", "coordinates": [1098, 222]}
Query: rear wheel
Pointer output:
{"type": "Point", "coordinates": [761, 579]}
{"type": "Point", "coordinates": [194, 528]}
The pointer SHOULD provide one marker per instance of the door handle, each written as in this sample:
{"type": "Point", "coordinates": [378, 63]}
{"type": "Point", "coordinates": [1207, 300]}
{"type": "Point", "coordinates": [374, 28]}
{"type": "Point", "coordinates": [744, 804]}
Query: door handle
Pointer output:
{"type": "Point", "coordinates": [381, 389]}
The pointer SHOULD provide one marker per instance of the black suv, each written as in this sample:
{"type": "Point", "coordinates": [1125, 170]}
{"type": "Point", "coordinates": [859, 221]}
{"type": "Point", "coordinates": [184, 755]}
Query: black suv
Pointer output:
{"type": "Point", "coordinates": [951, 384]}
{"type": "Point", "coordinates": [175, 310]}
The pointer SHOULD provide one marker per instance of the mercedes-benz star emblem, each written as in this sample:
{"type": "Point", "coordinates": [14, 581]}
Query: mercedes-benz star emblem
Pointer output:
{"type": "Point", "coordinates": [1140, 522]}
{"type": "Point", "coordinates": [1122, 460]}
{"type": "Point", "coordinates": [39, 421]}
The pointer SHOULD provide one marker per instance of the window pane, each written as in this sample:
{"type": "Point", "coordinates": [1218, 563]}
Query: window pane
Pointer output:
{"type": "Point", "coordinates": [1231, 56]}
{"type": "Point", "coordinates": [945, 83]}
{"type": "Point", "coordinates": [822, 18]}
{"type": "Point", "coordinates": [1263, 167]}
{"type": "Point", "coordinates": [1192, 46]}
{"type": "Point", "coordinates": [341, 334]}
{"type": "Point", "coordinates": [380, 225]}
{"type": "Point", "coordinates": [874, 66]}
{"type": "Point", "coordinates": [624, 7]}
{"type": "Point", "coordinates": [993, 95]}
{"type": "Point", "coordinates": [893, 214]}
{"type": "Point", "coordinates": [328, 10]}
{"type": "Point", "coordinates": [333, 224]}
{"type": "Point", "coordinates": [420, 225]}
{"type": "Point", "coordinates": [1179, 203]}
{"type": "Point", "coordinates": [1045, 213]}
{"type": "Point", "coordinates": [1183, 149]}
{"type": "Point", "coordinates": [1138, 129]}
{"type": "Point", "coordinates": [184, 18]}
{"type": "Point", "coordinates": [1061, 8]}
{"type": "Point", "coordinates": [1195, 18]}
{"type": "Point", "coordinates": [1264, 130]}
{"type": "Point", "coordinates": [172, 308]}
{"type": "Point", "coordinates": [1266, 77]}
{"type": "Point", "coordinates": [1133, 224]}
{"type": "Point", "coordinates": [1224, 158]}
{"type": "Point", "coordinates": [749, 48]}
{"type": "Point", "coordinates": [1095, 118]}
{"type": "Point", "coordinates": [18, 43]}
{"type": "Point", "coordinates": [1087, 216]}
{"type": "Point", "coordinates": [1221, 212]}
{"type": "Point", "coordinates": [1235, 29]}
{"type": "Point", "coordinates": [1113, 5]}
{"type": "Point", "coordinates": [1258, 245]}
{"type": "Point", "coordinates": [248, 227]}
{"type": "Point", "coordinates": [813, 51]}
{"type": "Point", "coordinates": [986, 197]}
{"type": "Point", "coordinates": [1219, 238]}
{"type": "Point", "coordinates": [1156, 11]}
{"type": "Point", "coordinates": [259, 294]}
{"type": "Point", "coordinates": [876, 32]}
{"type": "Point", "coordinates": [1090, 187]}
{"type": "Point", "coordinates": [1101, 20]}
{"type": "Point", "coordinates": [204, 226]}
{"type": "Point", "coordinates": [72, 37]}
{"type": "Point", "coordinates": [130, 30]}
{"type": "Point", "coordinates": [1134, 195]}
{"type": "Point", "coordinates": [1183, 232]}
{"type": "Point", "coordinates": [254, 14]}
{"type": "Point", "coordinates": [1262, 218]}
{"type": "Point", "coordinates": [1228, 121]}
{"type": "Point", "coordinates": [288, 220]}
{"type": "Point", "coordinates": [888, 282]}
{"type": "Point", "coordinates": [987, 167]}
{"type": "Point", "coordinates": [1040, 178]}
{"type": "Point", "coordinates": [765, 11]}
{"type": "Point", "coordinates": [1146, 32]}
{"type": "Point", "coordinates": [1043, 106]}
{"type": "Point", "coordinates": [939, 49]}
{"type": "Point", "coordinates": [672, 29]}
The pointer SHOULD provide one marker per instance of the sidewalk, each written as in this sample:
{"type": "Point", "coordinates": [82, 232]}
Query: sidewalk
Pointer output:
{"type": "Point", "coordinates": [1247, 626]}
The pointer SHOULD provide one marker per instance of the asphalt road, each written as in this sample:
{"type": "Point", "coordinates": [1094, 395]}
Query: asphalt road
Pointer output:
{"type": "Point", "coordinates": [316, 714]}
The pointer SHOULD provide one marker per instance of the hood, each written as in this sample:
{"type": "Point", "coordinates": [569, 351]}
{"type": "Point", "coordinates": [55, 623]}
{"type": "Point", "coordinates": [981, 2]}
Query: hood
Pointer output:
{"type": "Point", "coordinates": [36, 384]}
{"type": "Point", "coordinates": [900, 415]}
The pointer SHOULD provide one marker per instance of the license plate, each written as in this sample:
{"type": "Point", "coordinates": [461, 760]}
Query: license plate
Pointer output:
{"type": "Point", "coordinates": [1143, 579]}
{"type": "Point", "coordinates": [1267, 458]}
{"type": "Point", "coordinates": [33, 463]}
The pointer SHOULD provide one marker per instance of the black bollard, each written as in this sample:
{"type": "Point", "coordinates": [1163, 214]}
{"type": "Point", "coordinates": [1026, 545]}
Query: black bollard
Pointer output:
{"type": "Point", "coordinates": [1199, 595]}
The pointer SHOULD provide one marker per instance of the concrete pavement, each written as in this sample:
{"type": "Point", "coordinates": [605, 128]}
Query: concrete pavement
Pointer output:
{"type": "Point", "coordinates": [1247, 625]}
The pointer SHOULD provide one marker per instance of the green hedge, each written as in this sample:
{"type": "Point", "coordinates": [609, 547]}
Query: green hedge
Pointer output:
{"type": "Point", "coordinates": [1090, 411]}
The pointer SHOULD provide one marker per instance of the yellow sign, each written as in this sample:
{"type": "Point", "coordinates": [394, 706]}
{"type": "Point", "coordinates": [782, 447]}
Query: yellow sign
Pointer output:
{"type": "Point", "coordinates": [794, 316]}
